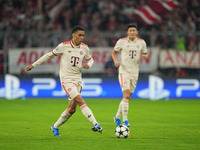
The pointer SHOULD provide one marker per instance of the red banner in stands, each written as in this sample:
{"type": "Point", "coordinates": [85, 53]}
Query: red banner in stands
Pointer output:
{"type": "Point", "coordinates": [19, 58]}
{"type": "Point", "coordinates": [169, 59]}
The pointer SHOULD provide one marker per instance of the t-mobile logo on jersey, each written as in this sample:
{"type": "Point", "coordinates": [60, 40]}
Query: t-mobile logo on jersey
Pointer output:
{"type": "Point", "coordinates": [132, 53]}
{"type": "Point", "coordinates": [74, 60]}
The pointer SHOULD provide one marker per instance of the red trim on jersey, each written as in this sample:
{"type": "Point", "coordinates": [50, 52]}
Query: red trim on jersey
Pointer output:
{"type": "Point", "coordinates": [81, 90]}
{"type": "Point", "coordinates": [66, 42]}
{"type": "Point", "coordinates": [84, 44]}
{"type": "Point", "coordinates": [54, 53]}
{"type": "Point", "coordinates": [121, 78]}
{"type": "Point", "coordinates": [89, 58]}
{"type": "Point", "coordinates": [65, 89]}
{"type": "Point", "coordinates": [71, 44]}
{"type": "Point", "coordinates": [139, 39]}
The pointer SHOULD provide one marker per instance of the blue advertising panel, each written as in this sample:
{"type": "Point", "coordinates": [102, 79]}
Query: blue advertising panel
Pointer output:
{"type": "Point", "coordinates": [153, 87]}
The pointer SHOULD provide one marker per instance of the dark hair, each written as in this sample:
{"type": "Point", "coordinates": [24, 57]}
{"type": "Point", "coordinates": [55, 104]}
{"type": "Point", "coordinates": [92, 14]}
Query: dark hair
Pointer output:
{"type": "Point", "coordinates": [132, 25]}
{"type": "Point", "coordinates": [76, 28]}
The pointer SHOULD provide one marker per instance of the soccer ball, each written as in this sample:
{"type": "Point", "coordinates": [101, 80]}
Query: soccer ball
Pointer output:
{"type": "Point", "coordinates": [122, 131]}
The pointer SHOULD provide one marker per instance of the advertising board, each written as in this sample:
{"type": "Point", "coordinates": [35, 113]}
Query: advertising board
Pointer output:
{"type": "Point", "coordinates": [153, 88]}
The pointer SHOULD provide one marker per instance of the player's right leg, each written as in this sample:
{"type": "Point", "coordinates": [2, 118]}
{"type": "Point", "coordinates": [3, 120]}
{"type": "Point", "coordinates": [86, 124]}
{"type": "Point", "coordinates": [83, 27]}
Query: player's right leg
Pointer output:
{"type": "Point", "coordinates": [63, 118]}
{"type": "Point", "coordinates": [71, 92]}
{"type": "Point", "coordinates": [125, 106]}
{"type": "Point", "coordinates": [124, 81]}
{"type": "Point", "coordinates": [118, 115]}
{"type": "Point", "coordinates": [55, 130]}
{"type": "Point", "coordinates": [117, 121]}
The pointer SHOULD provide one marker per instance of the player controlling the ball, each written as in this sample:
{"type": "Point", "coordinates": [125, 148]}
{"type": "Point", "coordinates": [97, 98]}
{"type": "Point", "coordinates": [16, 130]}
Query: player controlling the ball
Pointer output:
{"type": "Point", "coordinates": [130, 48]}
{"type": "Point", "coordinates": [72, 54]}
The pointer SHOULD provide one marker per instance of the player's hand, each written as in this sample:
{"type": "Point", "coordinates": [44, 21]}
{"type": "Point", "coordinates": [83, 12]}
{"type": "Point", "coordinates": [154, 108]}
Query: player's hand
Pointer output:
{"type": "Point", "coordinates": [86, 66]}
{"type": "Point", "coordinates": [28, 68]}
{"type": "Point", "coordinates": [144, 56]}
{"type": "Point", "coordinates": [117, 64]}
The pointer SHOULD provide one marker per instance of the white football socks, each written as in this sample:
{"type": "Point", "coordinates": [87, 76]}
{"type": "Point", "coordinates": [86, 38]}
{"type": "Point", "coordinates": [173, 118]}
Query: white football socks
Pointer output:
{"type": "Point", "coordinates": [125, 106]}
{"type": "Point", "coordinates": [63, 118]}
{"type": "Point", "coordinates": [88, 113]}
{"type": "Point", "coordinates": [119, 111]}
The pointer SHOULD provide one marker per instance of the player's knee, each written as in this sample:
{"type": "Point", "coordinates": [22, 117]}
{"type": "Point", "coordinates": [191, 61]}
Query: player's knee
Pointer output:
{"type": "Point", "coordinates": [79, 101]}
{"type": "Point", "coordinates": [127, 96]}
{"type": "Point", "coordinates": [71, 110]}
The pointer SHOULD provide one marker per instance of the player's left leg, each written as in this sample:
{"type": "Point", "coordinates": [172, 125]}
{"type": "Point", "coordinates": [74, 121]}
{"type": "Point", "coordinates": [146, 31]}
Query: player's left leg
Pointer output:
{"type": "Point", "coordinates": [118, 115]}
{"type": "Point", "coordinates": [88, 113]}
{"type": "Point", "coordinates": [71, 91]}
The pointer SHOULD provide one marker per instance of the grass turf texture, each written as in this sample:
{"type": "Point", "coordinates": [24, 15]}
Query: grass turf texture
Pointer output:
{"type": "Point", "coordinates": [169, 125]}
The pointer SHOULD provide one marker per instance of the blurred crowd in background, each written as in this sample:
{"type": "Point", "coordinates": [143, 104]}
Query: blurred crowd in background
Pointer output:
{"type": "Point", "coordinates": [44, 23]}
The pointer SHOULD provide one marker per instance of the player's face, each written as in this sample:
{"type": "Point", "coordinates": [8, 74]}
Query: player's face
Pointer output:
{"type": "Point", "coordinates": [132, 33]}
{"type": "Point", "coordinates": [78, 37]}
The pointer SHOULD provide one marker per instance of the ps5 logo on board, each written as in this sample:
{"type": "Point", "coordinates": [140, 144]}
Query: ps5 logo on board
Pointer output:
{"type": "Point", "coordinates": [156, 89]}
{"type": "Point", "coordinates": [12, 88]}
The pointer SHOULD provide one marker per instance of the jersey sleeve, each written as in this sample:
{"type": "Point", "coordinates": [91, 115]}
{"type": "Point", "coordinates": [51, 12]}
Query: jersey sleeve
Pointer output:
{"type": "Point", "coordinates": [118, 46]}
{"type": "Point", "coordinates": [44, 58]}
{"type": "Point", "coordinates": [144, 47]}
{"type": "Point", "coordinates": [88, 54]}
{"type": "Point", "coordinates": [58, 50]}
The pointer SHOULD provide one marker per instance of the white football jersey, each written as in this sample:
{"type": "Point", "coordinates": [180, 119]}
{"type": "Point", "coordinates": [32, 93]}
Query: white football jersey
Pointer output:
{"type": "Point", "coordinates": [71, 59]}
{"type": "Point", "coordinates": [130, 55]}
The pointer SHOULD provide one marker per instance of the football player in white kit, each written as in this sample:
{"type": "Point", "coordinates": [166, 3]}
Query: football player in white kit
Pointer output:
{"type": "Point", "coordinates": [131, 48]}
{"type": "Point", "coordinates": [72, 54]}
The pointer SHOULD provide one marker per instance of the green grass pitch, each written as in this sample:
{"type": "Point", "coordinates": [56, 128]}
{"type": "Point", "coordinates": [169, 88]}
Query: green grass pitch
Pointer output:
{"type": "Point", "coordinates": [158, 125]}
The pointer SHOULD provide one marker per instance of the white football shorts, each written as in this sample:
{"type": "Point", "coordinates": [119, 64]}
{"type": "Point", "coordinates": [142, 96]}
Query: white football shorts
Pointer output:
{"type": "Point", "coordinates": [72, 88]}
{"type": "Point", "coordinates": [127, 82]}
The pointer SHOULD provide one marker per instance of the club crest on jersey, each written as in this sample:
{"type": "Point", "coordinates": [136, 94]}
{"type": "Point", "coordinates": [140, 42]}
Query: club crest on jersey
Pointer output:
{"type": "Point", "coordinates": [69, 89]}
{"type": "Point", "coordinates": [138, 46]}
{"type": "Point", "coordinates": [81, 52]}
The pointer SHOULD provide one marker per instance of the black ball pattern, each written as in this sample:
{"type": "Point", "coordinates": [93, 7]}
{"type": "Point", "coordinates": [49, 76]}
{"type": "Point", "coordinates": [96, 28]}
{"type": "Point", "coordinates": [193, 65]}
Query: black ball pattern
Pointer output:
{"type": "Point", "coordinates": [122, 131]}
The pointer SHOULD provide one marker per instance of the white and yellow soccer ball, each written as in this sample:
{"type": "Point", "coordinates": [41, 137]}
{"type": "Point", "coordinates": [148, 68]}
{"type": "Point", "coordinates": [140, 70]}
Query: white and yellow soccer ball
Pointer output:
{"type": "Point", "coordinates": [122, 131]}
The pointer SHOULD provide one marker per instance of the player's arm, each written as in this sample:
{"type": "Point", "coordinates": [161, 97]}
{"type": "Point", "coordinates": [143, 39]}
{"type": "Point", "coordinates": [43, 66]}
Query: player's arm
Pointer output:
{"type": "Point", "coordinates": [89, 63]}
{"type": "Point", "coordinates": [144, 50]}
{"type": "Point", "coordinates": [42, 59]}
{"type": "Point", "coordinates": [89, 59]}
{"type": "Point", "coordinates": [114, 57]}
